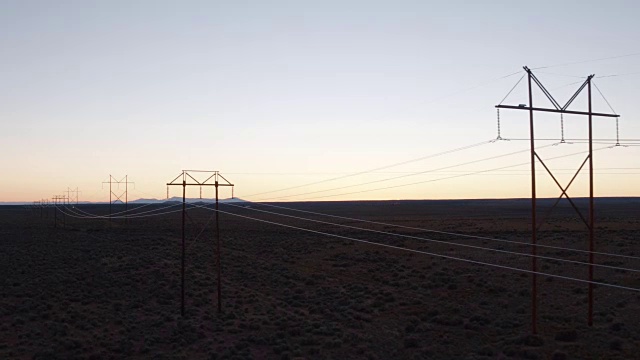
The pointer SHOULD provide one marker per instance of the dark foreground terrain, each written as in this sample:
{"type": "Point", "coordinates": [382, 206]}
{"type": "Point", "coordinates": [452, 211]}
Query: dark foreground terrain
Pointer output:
{"type": "Point", "coordinates": [96, 289]}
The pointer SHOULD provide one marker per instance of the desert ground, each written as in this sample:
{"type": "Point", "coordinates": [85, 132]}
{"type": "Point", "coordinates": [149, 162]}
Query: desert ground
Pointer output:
{"type": "Point", "coordinates": [105, 289]}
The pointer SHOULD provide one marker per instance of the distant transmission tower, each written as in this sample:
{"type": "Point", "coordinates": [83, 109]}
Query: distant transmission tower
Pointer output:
{"type": "Point", "coordinates": [75, 198]}
{"type": "Point", "coordinates": [113, 181]}
{"type": "Point", "coordinates": [59, 199]}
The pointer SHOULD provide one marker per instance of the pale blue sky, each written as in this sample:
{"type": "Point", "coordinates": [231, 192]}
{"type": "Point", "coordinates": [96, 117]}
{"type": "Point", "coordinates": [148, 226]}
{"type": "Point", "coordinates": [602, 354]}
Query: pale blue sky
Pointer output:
{"type": "Point", "coordinates": [307, 88]}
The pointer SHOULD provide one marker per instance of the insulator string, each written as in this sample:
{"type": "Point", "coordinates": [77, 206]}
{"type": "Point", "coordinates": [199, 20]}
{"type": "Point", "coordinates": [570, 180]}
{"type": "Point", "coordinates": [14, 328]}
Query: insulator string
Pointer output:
{"type": "Point", "coordinates": [562, 128]}
{"type": "Point", "coordinates": [617, 132]}
{"type": "Point", "coordinates": [499, 137]}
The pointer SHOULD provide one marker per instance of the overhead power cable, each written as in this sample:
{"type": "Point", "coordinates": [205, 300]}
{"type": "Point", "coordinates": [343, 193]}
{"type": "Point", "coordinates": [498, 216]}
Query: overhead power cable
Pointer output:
{"type": "Point", "coordinates": [204, 227]}
{"type": "Point", "coordinates": [450, 177]}
{"type": "Point", "coordinates": [572, 139]}
{"type": "Point", "coordinates": [513, 242]}
{"type": "Point", "coordinates": [564, 75]}
{"type": "Point", "coordinates": [376, 169]}
{"type": "Point", "coordinates": [120, 215]}
{"type": "Point", "coordinates": [402, 176]}
{"type": "Point", "coordinates": [586, 61]}
{"type": "Point", "coordinates": [431, 254]}
{"type": "Point", "coordinates": [115, 213]}
{"type": "Point", "coordinates": [456, 92]}
{"type": "Point", "coordinates": [437, 241]}
{"type": "Point", "coordinates": [614, 75]}
{"type": "Point", "coordinates": [78, 216]}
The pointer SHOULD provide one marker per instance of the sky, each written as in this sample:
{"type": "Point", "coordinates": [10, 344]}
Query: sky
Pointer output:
{"type": "Point", "coordinates": [280, 94]}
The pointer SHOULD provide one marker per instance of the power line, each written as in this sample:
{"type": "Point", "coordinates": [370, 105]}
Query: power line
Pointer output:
{"type": "Point", "coordinates": [119, 212]}
{"type": "Point", "coordinates": [614, 75]}
{"type": "Point", "coordinates": [437, 241]}
{"type": "Point", "coordinates": [449, 177]}
{"type": "Point", "coordinates": [444, 232]}
{"type": "Point", "coordinates": [413, 172]}
{"type": "Point", "coordinates": [569, 84]}
{"type": "Point", "coordinates": [106, 217]}
{"type": "Point", "coordinates": [574, 139]}
{"type": "Point", "coordinates": [433, 254]}
{"type": "Point", "coordinates": [401, 176]}
{"type": "Point", "coordinates": [140, 215]}
{"type": "Point", "coordinates": [586, 61]}
{"type": "Point", "coordinates": [376, 169]}
{"type": "Point", "coordinates": [564, 75]}
{"type": "Point", "coordinates": [456, 92]}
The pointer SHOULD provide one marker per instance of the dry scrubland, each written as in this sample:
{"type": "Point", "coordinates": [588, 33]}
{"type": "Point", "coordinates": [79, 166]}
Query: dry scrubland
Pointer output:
{"type": "Point", "coordinates": [94, 291]}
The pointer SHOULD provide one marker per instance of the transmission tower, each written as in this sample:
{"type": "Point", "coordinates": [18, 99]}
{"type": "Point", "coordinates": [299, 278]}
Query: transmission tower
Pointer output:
{"type": "Point", "coordinates": [113, 181]}
{"type": "Point", "coordinates": [589, 220]}
{"type": "Point", "coordinates": [76, 197]}
{"type": "Point", "coordinates": [189, 179]}
{"type": "Point", "coordinates": [59, 199]}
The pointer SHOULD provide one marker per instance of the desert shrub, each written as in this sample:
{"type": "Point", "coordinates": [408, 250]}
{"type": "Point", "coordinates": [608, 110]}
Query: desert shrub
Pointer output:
{"type": "Point", "coordinates": [533, 340]}
{"type": "Point", "coordinates": [567, 336]}
{"type": "Point", "coordinates": [616, 327]}
{"type": "Point", "coordinates": [448, 320]}
{"type": "Point", "coordinates": [308, 341]}
{"type": "Point", "coordinates": [487, 351]}
{"type": "Point", "coordinates": [411, 342]}
{"type": "Point", "coordinates": [559, 355]}
{"type": "Point", "coordinates": [410, 328]}
{"type": "Point", "coordinates": [295, 331]}
{"type": "Point", "coordinates": [480, 320]}
{"type": "Point", "coordinates": [46, 354]}
{"type": "Point", "coordinates": [615, 345]}
{"type": "Point", "coordinates": [529, 354]}
{"type": "Point", "coordinates": [313, 351]}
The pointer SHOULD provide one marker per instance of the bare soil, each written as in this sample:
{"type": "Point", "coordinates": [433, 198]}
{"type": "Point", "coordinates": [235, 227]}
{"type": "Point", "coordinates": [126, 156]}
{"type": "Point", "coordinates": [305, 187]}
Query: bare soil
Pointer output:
{"type": "Point", "coordinates": [100, 289]}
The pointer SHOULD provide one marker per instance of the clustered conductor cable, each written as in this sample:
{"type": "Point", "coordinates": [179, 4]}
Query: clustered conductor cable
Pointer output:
{"type": "Point", "coordinates": [122, 215]}
{"type": "Point", "coordinates": [378, 168]}
{"type": "Point", "coordinates": [431, 253]}
{"type": "Point", "coordinates": [444, 178]}
{"type": "Point", "coordinates": [442, 232]}
{"type": "Point", "coordinates": [586, 61]}
{"type": "Point", "coordinates": [128, 211]}
{"type": "Point", "coordinates": [401, 176]}
{"type": "Point", "coordinates": [436, 241]}
{"type": "Point", "coordinates": [144, 214]}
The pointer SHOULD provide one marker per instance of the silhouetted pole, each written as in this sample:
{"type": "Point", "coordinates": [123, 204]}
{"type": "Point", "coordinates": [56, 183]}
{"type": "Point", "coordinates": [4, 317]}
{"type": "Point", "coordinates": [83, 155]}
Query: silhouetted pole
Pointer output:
{"type": "Point", "coordinates": [218, 253]}
{"type": "Point", "coordinates": [591, 213]}
{"type": "Point", "coordinates": [184, 209]}
{"type": "Point", "coordinates": [534, 224]}
{"type": "Point", "coordinates": [126, 199]}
